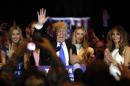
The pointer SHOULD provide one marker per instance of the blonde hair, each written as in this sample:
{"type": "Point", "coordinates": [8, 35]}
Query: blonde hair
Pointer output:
{"type": "Point", "coordinates": [85, 39]}
{"type": "Point", "coordinates": [12, 28]}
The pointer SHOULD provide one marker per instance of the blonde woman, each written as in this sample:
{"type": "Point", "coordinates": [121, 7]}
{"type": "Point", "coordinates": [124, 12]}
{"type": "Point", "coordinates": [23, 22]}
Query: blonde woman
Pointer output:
{"type": "Point", "coordinates": [16, 46]}
{"type": "Point", "coordinates": [85, 54]}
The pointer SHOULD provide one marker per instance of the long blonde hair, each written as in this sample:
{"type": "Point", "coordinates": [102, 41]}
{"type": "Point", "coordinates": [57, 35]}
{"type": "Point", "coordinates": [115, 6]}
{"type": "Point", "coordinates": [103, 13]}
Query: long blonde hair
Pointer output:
{"type": "Point", "coordinates": [15, 27]}
{"type": "Point", "coordinates": [85, 39]}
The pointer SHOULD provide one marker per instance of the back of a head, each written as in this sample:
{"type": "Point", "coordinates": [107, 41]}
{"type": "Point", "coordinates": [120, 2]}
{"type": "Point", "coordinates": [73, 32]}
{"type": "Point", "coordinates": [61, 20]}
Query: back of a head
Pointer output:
{"type": "Point", "coordinates": [98, 75]}
{"type": "Point", "coordinates": [34, 77]}
{"type": "Point", "coordinates": [78, 75]}
{"type": "Point", "coordinates": [35, 81]}
{"type": "Point", "coordinates": [99, 49]}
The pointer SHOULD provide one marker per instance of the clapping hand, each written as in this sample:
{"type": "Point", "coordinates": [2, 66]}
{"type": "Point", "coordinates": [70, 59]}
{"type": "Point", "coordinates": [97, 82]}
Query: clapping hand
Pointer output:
{"type": "Point", "coordinates": [108, 57]}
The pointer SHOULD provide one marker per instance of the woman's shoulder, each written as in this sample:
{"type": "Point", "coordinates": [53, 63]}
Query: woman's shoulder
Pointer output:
{"type": "Point", "coordinates": [90, 48]}
{"type": "Point", "coordinates": [126, 48]}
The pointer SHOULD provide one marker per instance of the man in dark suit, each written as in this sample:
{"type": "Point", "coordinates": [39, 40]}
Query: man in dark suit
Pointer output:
{"type": "Point", "coordinates": [60, 30]}
{"type": "Point", "coordinates": [60, 34]}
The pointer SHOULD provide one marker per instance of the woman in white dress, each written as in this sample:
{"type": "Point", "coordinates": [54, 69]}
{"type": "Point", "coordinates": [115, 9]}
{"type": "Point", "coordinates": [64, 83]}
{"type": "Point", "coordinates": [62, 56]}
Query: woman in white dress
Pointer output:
{"type": "Point", "coordinates": [117, 51]}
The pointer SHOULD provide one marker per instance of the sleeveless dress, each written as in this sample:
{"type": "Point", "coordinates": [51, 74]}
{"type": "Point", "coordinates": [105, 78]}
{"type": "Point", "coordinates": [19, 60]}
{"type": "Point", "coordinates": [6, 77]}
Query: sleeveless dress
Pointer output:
{"type": "Point", "coordinates": [113, 69]}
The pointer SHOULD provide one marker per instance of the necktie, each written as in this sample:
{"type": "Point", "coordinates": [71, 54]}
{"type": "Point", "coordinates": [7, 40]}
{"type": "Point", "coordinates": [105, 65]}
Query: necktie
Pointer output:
{"type": "Point", "coordinates": [62, 55]}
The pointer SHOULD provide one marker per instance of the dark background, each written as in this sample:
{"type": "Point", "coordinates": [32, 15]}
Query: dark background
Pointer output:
{"type": "Point", "coordinates": [23, 11]}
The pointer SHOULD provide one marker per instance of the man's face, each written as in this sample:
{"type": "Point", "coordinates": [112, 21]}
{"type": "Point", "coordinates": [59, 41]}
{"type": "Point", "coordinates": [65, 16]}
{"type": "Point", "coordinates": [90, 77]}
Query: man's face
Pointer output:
{"type": "Point", "coordinates": [61, 35]}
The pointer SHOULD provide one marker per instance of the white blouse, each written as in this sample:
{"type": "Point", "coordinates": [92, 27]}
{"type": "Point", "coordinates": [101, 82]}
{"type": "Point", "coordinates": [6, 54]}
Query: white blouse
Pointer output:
{"type": "Point", "coordinates": [78, 47]}
{"type": "Point", "coordinates": [113, 69]}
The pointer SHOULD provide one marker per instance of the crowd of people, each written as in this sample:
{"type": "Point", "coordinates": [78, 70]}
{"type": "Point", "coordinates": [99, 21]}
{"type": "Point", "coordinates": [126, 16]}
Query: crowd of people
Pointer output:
{"type": "Point", "coordinates": [95, 61]}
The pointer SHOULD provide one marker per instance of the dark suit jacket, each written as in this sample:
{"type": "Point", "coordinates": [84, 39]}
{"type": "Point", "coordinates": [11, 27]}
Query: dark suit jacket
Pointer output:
{"type": "Point", "coordinates": [45, 57]}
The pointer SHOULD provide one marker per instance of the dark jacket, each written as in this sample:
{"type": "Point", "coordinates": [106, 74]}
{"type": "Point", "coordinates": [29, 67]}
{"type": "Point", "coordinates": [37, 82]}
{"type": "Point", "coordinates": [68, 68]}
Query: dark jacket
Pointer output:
{"type": "Point", "coordinates": [45, 57]}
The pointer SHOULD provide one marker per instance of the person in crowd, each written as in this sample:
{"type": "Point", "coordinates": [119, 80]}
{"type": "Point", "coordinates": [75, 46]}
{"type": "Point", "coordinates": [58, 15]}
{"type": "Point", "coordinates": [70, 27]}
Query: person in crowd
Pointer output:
{"type": "Point", "coordinates": [97, 74]}
{"type": "Point", "coordinates": [29, 30]}
{"type": "Point", "coordinates": [117, 50]}
{"type": "Point", "coordinates": [4, 39]}
{"type": "Point", "coordinates": [99, 49]}
{"type": "Point", "coordinates": [33, 54]}
{"type": "Point", "coordinates": [33, 77]}
{"type": "Point", "coordinates": [92, 37]}
{"type": "Point", "coordinates": [8, 53]}
{"type": "Point", "coordinates": [37, 56]}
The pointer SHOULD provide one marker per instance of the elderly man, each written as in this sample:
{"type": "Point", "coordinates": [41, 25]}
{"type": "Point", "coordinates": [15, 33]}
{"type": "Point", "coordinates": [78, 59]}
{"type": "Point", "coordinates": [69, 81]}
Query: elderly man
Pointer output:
{"type": "Point", "coordinates": [59, 42]}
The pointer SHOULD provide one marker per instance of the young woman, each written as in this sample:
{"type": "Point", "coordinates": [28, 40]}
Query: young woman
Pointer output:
{"type": "Point", "coordinates": [117, 51]}
{"type": "Point", "coordinates": [85, 54]}
{"type": "Point", "coordinates": [15, 47]}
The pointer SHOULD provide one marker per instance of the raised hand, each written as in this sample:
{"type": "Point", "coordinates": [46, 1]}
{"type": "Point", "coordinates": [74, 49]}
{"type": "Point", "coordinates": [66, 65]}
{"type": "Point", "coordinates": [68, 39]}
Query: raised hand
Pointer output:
{"type": "Point", "coordinates": [42, 16]}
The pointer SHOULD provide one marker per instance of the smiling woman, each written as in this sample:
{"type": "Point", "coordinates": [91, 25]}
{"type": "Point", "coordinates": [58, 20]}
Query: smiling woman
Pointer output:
{"type": "Point", "coordinates": [16, 35]}
{"type": "Point", "coordinates": [117, 51]}
{"type": "Point", "coordinates": [15, 45]}
{"type": "Point", "coordinates": [85, 54]}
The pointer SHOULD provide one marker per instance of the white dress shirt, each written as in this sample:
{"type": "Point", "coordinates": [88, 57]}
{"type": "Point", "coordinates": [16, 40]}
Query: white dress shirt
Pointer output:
{"type": "Point", "coordinates": [65, 52]}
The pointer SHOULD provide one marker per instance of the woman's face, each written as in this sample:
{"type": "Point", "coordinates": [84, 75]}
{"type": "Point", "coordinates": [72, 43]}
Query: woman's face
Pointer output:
{"type": "Point", "coordinates": [115, 36]}
{"type": "Point", "coordinates": [15, 36]}
{"type": "Point", "coordinates": [79, 36]}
